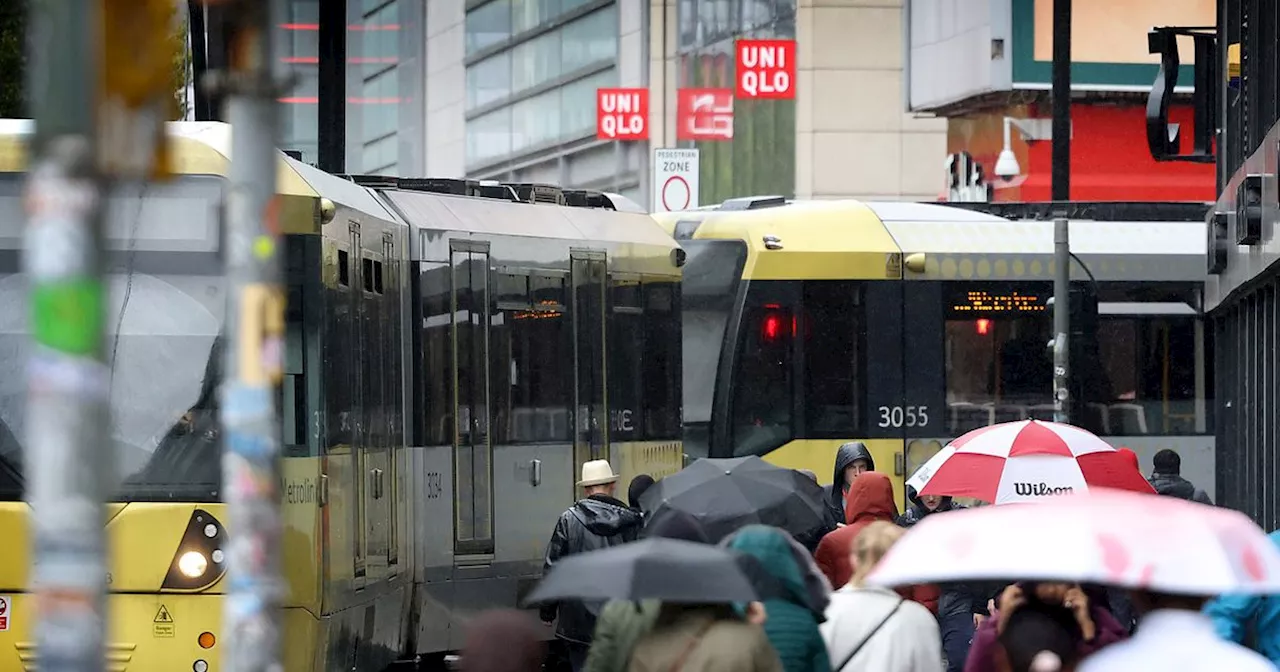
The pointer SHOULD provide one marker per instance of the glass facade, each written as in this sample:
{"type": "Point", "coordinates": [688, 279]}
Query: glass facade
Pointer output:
{"type": "Point", "coordinates": [383, 82]}
{"type": "Point", "coordinates": [533, 67]}
{"type": "Point", "coordinates": [761, 157]}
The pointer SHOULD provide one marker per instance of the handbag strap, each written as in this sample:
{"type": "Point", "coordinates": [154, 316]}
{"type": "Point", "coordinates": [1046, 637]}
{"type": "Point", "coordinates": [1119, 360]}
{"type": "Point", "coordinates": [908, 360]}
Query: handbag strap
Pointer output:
{"type": "Point", "coordinates": [849, 658]}
{"type": "Point", "coordinates": [693, 644]}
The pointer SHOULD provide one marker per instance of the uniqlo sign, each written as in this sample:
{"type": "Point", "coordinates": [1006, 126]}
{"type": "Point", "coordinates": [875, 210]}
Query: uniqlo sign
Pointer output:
{"type": "Point", "coordinates": [622, 114]}
{"type": "Point", "coordinates": [704, 114]}
{"type": "Point", "coordinates": [766, 68]}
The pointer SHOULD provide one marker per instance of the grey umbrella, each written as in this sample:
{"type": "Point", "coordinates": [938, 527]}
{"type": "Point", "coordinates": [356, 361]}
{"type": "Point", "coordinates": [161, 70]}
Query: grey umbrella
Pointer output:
{"type": "Point", "coordinates": [651, 569]}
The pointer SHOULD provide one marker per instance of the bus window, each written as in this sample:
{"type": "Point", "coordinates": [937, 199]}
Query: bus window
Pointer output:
{"type": "Point", "coordinates": [708, 294]}
{"type": "Point", "coordinates": [998, 366]}
{"type": "Point", "coordinates": [833, 327]}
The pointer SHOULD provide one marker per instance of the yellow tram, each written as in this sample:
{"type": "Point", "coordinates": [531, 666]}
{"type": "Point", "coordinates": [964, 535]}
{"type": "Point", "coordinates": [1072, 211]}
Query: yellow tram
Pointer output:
{"type": "Point", "coordinates": [903, 325]}
{"type": "Point", "coordinates": [454, 351]}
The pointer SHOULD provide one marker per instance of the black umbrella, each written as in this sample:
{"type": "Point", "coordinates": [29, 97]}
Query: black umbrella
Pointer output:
{"type": "Point", "coordinates": [726, 494]}
{"type": "Point", "coordinates": [650, 569]}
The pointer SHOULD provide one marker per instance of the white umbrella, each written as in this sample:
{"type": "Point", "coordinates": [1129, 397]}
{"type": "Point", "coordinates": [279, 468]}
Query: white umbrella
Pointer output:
{"type": "Point", "coordinates": [1111, 537]}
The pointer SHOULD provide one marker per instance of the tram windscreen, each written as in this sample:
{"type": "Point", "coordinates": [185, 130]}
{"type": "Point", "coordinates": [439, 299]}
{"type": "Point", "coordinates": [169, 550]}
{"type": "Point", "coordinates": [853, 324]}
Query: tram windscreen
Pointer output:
{"type": "Point", "coordinates": [165, 290]}
{"type": "Point", "coordinates": [711, 276]}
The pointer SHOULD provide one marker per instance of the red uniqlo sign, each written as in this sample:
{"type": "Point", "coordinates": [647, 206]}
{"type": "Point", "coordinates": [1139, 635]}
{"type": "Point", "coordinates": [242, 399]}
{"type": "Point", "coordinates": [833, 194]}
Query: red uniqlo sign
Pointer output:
{"type": "Point", "coordinates": [704, 114]}
{"type": "Point", "coordinates": [622, 114]}
{"type": "Point", "coordinates": [766, 68]}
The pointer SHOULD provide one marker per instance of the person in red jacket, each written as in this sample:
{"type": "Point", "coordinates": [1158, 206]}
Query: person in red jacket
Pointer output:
{"type": "Point", "coordinates": [869, 499]}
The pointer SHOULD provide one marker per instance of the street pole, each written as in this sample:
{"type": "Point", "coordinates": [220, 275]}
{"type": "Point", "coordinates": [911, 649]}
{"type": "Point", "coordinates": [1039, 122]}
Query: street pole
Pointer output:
{"type": "Point", "coordinates": [101, 84]}
{"type": "Point", "coordinates": [67, 412]}
{"type": "Point", "coordinates": [254, 343]}
{"type": "Point", "coordinates": [1061, 193]}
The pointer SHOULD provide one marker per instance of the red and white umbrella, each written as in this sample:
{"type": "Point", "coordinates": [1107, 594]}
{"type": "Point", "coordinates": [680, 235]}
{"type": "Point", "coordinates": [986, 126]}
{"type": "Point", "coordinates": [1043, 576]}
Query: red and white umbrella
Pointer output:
{"type": "Point", "coordinates": [1025, 460]}
{"type": "Point", "coordinates": [1106, 536]}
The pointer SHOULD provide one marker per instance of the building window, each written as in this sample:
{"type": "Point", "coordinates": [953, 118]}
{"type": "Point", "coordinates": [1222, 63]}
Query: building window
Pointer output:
{"type": "Point", "coordinates": [488, 25]}
{"type": "Point", "coordinates": [536, 61]}
{"type": "Point", "coordinates": [489, 80]}
{"type": "Point", "coordinates": [489, 137]}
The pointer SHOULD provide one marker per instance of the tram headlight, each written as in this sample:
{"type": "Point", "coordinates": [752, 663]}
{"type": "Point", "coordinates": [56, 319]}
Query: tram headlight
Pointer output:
{"type": "Point", "coordinates": [199, 559]}
{"type": "Point", "coordinates": [193, 564]}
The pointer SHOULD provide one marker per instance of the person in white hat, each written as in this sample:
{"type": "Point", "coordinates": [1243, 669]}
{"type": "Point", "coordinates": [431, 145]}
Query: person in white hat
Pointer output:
{"type": "Point", "coordinates": [598, 520]}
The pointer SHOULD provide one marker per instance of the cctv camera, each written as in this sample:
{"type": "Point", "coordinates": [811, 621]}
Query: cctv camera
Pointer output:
{"type": "Point", "coordinates": [1007, 165]}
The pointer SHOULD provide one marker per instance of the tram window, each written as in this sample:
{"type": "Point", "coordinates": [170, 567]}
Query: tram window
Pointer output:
{"type": "Point", "coordinates": [661, 392]}
{"type": "Point", "coordinates": [834, 329]}
{"type": "Point", "coordinates": [1150, 385]}
{"type": "Point", "coordinates": [997, 365]}
{"type": "Point", "coordinates": [511, 289]}
{"type": "Point", "coordinates": [366, 270]}
{"type": "Point", "coordinates": [762, 382]}
{"type": "Point", "coordinates": [627, 364]}
{"type": "Point", "coordinates": [708, 289]}
{"type": "Point", "coordinates": [531, 360]}
{"type": "Point", "coordinates": [435, 375]}
{"type": "Point", "coordinates": [344, 269]}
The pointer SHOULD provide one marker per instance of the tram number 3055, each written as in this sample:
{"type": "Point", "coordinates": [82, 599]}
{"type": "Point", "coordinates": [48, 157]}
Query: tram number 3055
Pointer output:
{"type": "Point", "coordinates": [904, 416]}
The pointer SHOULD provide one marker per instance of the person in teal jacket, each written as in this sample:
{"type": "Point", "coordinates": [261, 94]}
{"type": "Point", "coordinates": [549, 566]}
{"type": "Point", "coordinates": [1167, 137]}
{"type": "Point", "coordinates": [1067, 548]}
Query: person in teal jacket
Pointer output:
{"type": "Point", "coordinates": [1235, 615]}
{"type": "Point", "coordinates": [792, 626]}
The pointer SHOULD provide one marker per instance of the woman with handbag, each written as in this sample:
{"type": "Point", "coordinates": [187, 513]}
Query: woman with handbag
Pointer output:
{"type": "Point", "coordinates": [872, 629]}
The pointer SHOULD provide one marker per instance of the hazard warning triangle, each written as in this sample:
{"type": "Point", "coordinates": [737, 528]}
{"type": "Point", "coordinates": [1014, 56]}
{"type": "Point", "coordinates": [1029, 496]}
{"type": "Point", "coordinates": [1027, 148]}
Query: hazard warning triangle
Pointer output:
{"type": "Point", "coordinates": [162, 616]}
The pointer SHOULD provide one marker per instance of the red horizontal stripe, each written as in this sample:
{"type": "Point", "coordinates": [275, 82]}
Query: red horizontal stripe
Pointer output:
{"type": "Point", "coordinates": [312, 100]}
{"type": "Point", "coordinates": [357, 27]}
{"type": "Point", "coordinates": [313, 60]}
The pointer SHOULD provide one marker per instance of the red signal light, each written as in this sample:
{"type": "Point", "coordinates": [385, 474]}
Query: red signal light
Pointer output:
{"type": "Point", "coordinates": [771, 326]}
{"type": "Point", "coordinates": [984, 326]}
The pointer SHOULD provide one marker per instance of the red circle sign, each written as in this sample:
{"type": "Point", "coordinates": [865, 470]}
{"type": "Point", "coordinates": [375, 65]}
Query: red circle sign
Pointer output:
{"type": "Point", "coordinates": [4, 606]}
{"type": "Point", "coordinates": [666, 191]}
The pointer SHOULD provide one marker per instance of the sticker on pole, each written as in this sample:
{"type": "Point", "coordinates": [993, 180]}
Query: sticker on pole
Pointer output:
{"type": "Point", "coordinates": [766, 68]}
{"type": "Point", "coordinates": [675, 179]}
{"type": "Point", "coordinates": [5, 608]}
{"type": "Point", "coordinates": [162, 624]}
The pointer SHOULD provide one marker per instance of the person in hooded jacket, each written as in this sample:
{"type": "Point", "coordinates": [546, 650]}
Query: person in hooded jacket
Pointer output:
{"type": "Point", "coordinates": [1166, 478]}
{"type": "Point", "coordinates": [959, 606]}
{"type": "Point", "coordinates": [869, 499]}
{"type": "Point", "coordinates": [852, 459]}
{"type": "Point", "coordinates": [597, 521]}
{"type": "Point", "coordinates": [792, 623]}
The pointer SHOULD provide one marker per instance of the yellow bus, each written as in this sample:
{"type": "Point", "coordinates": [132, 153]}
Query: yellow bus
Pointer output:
{"type": "Point", "coordinates": [454, 352]}
{"type": "Point", "coordinates": [808, 324]}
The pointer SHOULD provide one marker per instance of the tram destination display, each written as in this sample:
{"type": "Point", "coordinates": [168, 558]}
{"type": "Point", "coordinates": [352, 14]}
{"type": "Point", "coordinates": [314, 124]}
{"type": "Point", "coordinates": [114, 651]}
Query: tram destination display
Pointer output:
{"type": "Point", "coordinates": [989, 300]}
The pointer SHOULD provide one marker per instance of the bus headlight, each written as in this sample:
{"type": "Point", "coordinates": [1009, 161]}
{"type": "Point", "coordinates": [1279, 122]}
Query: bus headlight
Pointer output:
{"type": "Point", "coordinates": [193, 564]}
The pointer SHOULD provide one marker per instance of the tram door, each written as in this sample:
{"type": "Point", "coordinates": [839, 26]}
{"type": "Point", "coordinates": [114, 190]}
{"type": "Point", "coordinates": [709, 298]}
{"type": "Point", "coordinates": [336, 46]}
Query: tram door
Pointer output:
{"type": "Point", "coordinates": [358, 401]}
{"type": "Point", "coordinates": [473, 448]}
{"type": "Point", "coordinates": [591, 421]}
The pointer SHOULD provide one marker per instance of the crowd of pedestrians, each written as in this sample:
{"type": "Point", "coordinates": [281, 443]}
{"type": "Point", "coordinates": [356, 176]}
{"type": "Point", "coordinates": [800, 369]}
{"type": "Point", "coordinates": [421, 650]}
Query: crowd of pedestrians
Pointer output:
{"type": "Point", "coordinates": [817, 613]}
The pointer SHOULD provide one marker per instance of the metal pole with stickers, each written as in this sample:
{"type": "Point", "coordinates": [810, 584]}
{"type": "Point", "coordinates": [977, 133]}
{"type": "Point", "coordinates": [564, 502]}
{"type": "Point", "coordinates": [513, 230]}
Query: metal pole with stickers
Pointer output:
{"type": "Point", "coordinates": [251, 424]}
{"type": "Point", "coordinates": [101, 85]}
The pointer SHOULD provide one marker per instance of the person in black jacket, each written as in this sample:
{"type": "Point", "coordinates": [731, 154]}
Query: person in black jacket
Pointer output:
{"type": "Point", "coordinates": [597, 521]}
{"type": "Point", "coordinates": [852, 459]}
{"type": "Point", "coordinates": [1166, 478]}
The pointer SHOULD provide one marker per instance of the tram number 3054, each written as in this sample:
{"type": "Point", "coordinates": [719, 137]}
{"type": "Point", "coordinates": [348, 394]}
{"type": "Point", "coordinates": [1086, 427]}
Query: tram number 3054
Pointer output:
{"type": "Point", "coordinates": [904, 416]}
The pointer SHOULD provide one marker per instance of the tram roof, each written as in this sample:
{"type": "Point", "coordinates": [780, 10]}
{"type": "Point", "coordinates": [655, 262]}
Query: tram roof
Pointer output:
{"type": "Point", "coordinates": [961, 243]}
{"type": "Point", "coordinates": [965, 242]}
{"type": "Point", "coordinates": [195, 148]}
{"type": "Point", "coordinates": [441, 212]}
